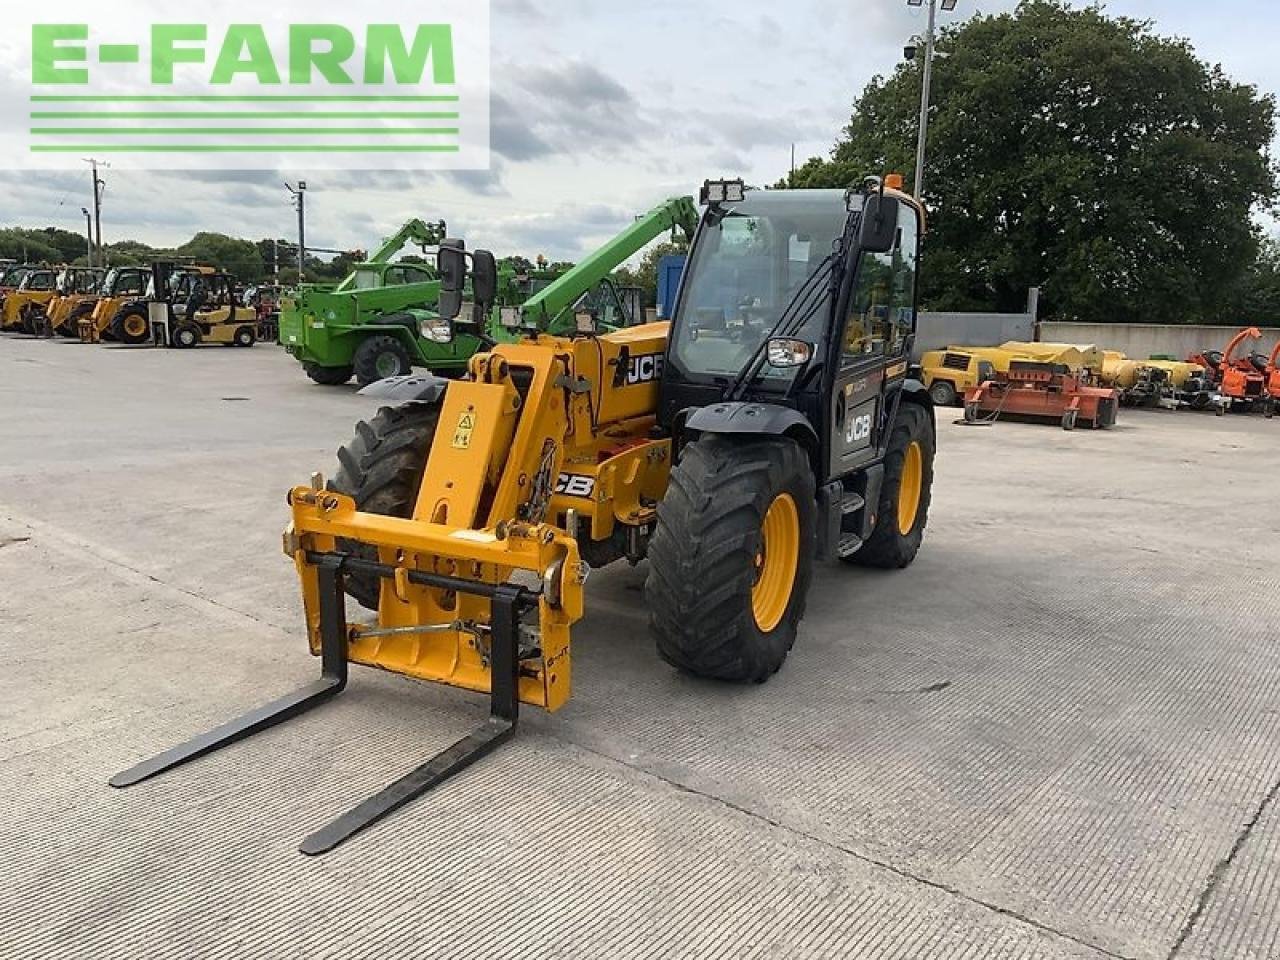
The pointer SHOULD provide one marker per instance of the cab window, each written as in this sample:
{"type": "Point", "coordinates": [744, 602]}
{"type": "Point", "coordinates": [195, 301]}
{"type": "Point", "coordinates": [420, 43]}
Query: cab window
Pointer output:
{"type": "Point", "coordinates": [882, 305]}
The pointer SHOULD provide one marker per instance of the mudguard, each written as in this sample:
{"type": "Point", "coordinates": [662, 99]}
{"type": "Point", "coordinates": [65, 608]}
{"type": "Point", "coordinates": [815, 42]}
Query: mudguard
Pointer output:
{"type": "Point", "coordinates": [767, 419]}
{"type": "Point", "coordinates": [412, 388]}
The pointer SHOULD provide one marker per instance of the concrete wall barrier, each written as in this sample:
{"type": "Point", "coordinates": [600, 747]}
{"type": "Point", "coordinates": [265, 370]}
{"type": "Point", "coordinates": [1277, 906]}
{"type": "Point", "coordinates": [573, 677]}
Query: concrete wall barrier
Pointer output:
{"type": "Point", "coordinates": [1141, 341]}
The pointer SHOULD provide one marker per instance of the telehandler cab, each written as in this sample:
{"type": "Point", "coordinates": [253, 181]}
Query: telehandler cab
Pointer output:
{"type": "Point", "coordinates": [74, 286]}
{"type": "Point", "coordinates": [36, 289]}
{"type": "Point", "coordinates": [95, 318]}
{"type": "Point", "coordinates": [771, 423]}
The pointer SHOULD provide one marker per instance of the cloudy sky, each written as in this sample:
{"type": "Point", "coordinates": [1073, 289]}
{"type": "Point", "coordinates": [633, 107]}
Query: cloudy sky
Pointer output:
{"type": "Point", "coordinates": [599, 110]}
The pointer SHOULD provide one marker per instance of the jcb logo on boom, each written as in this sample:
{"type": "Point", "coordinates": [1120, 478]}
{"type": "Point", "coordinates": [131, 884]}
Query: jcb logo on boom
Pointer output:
{"type": "Point", "coordinates": [576, 485]}
{"type": "Point", "coordinates": [644, 369]}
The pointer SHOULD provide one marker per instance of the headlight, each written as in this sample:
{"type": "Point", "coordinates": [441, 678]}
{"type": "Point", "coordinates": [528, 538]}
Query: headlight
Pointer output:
{"type": "Point", "coordinates": [785, 352]}
{"type": "Point", "coordinates": [437, 330]}
{"type": "Point", "coordinates": [509, 317]}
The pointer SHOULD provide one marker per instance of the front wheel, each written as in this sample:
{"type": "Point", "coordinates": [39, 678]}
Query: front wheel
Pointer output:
{"type": "Point", "coordinates": [381, 469]}
{"type": "Point", "coordinates": [186, 336]}
{"type": "Point", "coordinates": [732, 556]}
{"type": "Point", "coordinates": [131, 327]}
{"type": "Point", "coordinates": [905, 493]}
{"type": "Point", "coordinates": [943, 393]}
{"type": "Point", "coordinates": [245, 337]}
{"type": "Point", "coordinates": [380, 357]}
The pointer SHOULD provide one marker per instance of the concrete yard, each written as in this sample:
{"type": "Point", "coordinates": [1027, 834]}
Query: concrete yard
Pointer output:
{"type": "Point", "coordinates": [1056, 735]}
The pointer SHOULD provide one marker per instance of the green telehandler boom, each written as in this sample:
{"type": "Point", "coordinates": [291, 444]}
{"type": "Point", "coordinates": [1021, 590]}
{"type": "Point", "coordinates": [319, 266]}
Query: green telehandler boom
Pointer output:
{"type": "Point", "coordinates": [554, 308]}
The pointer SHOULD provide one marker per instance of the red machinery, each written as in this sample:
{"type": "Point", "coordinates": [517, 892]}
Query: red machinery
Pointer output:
{"type": "Point", "coordinates": [1239, 380]}
{"type": "Point", "coordinates": [1042, 391]}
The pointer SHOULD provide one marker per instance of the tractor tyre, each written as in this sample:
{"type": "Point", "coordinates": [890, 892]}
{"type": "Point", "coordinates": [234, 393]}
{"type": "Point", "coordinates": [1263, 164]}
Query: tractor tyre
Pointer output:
{"type": "Point", "coordinates": [943, 393]}
{"type": "Point", "coordinates": [327, 376]}
{"type": "Point", "coordinates": [378, 358]}
{"type": "Point", "coordinates": [131, 327]}
{"type": "Point", "coordinates": [732, 556]}
{"type": "Point", "coordinates": [381, 469]}
{"type": "Point", "coordinates": [245, 337]}
{"type": "Point", "coordinates": [186, 336]}
{"type": "Point", "coordinates": [69, 329]}
{"type": "Point", "coordinates": [904, 495]}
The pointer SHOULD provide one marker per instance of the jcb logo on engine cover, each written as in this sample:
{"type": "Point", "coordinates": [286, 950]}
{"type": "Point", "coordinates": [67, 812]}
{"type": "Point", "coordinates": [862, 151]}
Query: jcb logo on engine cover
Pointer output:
{"type": "Point", "coordinates": [644, 369]}
{"type": "Point", "coordinates": [859, 429]}
{"type": "Point", "coordinates": [576, 485]}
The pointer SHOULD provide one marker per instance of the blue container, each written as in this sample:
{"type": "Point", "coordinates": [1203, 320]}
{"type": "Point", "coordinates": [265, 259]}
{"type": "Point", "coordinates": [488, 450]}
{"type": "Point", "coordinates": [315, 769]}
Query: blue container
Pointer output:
{"type": "Point", "coordinates": [670, 269]}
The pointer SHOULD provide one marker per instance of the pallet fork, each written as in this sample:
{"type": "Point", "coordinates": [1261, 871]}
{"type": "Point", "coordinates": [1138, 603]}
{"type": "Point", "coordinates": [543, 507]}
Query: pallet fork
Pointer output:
{"type": "Point", "coordinates": [509, 602]}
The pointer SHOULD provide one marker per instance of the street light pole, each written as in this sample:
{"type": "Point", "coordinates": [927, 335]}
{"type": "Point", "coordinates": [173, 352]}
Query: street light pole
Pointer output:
{"type": "Point", "coordinates": [98, 184]}
{"type": "Point", "coordinates": [925, 86]}
{"type": "Point", "coordinates": [300, 201]}
{"type": "Point", "coordinates": [918, 183]}
{"type": "Point", "coordinates": [88, 233]}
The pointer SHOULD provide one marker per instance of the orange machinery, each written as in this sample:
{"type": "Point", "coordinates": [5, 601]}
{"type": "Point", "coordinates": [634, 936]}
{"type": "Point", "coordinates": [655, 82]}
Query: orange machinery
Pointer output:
{"type": "Point", "coordinates": [1273, 382]}
{"type": "Point", "coordinates": [1035, 390]}
{"type": "Point", "coordinates": [1240, 382]}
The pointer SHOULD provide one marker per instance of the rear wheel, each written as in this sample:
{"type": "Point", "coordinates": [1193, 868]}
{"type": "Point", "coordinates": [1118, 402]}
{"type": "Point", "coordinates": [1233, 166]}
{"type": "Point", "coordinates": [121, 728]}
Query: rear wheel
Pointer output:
{"type": "Point", "coordinates": [732, 556]}
{"type": "Point", "coordinates": [245, 337]}
{"type": "Point", "coordinates": [381, 469]}
{"type": "Point", "coordinates": [327, 376]}
{"type": "Point", "coordinates": [904, 495]}
{"type": "Point", "coordinates": [131, 327]}
{"type": "Point", "coordinates": [380, 357]}
{"type": "Point", "coordinates": [943, 393]}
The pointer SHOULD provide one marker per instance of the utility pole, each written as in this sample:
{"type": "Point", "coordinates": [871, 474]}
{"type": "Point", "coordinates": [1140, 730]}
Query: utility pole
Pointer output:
{"type": "Point", "coordinates": [88, 233]}
{"type": "Point", "coordinates": [927, 82]}
{"type": "Point", "coordinates": [300, 202]}
{"type": "Point", "coordinates": [98, 185]}
{"type": "Point", "coordinates": [792, 182]}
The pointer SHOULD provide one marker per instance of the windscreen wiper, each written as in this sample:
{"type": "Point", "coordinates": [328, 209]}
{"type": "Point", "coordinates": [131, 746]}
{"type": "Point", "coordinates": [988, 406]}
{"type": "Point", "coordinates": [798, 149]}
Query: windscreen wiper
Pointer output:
{"type": "Point", "coordinates": [803, 304]}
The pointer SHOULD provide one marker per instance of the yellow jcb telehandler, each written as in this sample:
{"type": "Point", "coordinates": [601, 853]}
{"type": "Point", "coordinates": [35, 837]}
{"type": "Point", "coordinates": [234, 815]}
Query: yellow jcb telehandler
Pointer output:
{"type": "Point", "coordinates": [771, 423]}
{"type": "Point", "coordinates": [35, 290]}
{"type": "Point", "coordinates": [95, 318]}
{"type": "Point", "coordinates": [75, 286]}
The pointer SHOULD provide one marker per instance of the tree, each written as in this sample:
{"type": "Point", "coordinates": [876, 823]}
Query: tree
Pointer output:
{"type": "Point", "coordinates": [1258, 303]}
{"type": "Point", "coordinates": [29, 245]}
{"type": "Point", "coordinates": [1076, 152]}
{"type": "Point", "coordinates": [239, 257]}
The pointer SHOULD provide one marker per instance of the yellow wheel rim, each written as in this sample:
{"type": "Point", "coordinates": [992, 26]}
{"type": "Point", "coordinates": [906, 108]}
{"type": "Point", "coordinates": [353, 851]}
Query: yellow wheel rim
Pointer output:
{"type": "Point", "coordinates": [134, 325]}
{"type": "Point", "coordinates": [910, 487]}
{"type": "Point", "coordinates": [776, 562]}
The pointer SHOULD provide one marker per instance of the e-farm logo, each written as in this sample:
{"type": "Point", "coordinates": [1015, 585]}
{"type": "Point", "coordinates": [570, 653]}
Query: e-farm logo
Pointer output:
{"type": "Point", "coordinates": [386, 83]}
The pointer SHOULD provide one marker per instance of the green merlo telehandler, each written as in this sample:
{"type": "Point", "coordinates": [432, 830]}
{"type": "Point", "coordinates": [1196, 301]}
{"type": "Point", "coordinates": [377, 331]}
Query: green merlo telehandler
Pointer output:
{"type": "Point", "coordinates": [381, 321]}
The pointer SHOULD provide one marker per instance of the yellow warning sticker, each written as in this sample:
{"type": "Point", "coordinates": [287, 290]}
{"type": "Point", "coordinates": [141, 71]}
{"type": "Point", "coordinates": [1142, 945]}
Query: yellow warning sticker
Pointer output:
{"type": "Point", "coordinates": [466, 426]}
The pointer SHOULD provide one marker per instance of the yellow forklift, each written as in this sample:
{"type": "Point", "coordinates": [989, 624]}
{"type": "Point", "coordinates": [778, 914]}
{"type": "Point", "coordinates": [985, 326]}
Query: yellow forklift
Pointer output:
{"type": "Point", "coordinates": [190, 306]}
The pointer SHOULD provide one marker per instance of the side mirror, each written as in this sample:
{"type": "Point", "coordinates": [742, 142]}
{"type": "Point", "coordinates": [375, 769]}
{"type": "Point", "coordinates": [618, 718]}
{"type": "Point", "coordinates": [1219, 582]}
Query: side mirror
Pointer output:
{"type": "Point", "coordinates": [484, 278]}
{"type": "Point", "coordinates": [451, 263]}
{"type": "Point", "coordinates": [879, 229]}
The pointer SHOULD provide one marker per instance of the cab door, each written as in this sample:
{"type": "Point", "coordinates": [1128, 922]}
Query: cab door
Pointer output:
{"type": "Point", "coordinates": [874, 342]}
